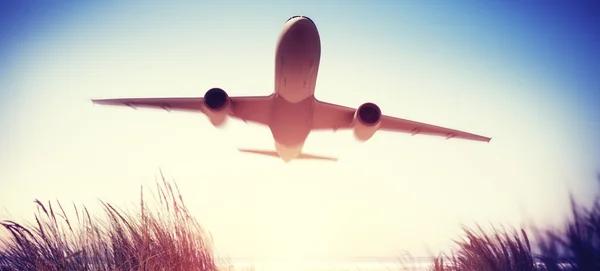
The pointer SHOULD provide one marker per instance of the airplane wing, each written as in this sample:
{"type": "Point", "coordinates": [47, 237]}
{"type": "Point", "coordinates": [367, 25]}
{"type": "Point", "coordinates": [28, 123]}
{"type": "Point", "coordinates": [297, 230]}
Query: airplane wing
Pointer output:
{"type": "Point", "coordinates": [247, 108]}
{"type": "Point", "coordinates": [327, 116]}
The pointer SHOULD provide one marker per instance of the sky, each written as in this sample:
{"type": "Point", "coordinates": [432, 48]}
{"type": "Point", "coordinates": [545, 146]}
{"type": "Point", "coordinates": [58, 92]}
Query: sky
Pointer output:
{"type": "Point", "coordinates": [522, 72]}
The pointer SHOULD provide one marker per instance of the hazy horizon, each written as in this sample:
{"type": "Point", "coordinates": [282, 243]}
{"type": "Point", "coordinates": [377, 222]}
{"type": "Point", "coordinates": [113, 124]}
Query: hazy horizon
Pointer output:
{"type": "Point", "coordinates": [524, 73]}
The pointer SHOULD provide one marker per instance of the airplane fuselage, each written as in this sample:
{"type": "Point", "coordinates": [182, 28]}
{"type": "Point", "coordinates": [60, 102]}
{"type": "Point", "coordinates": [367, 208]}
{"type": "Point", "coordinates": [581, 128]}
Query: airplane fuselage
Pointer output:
{"type": "Point", "coordinates": [296, 67]}
{"type": "Point", "coordinates": [291, 111]}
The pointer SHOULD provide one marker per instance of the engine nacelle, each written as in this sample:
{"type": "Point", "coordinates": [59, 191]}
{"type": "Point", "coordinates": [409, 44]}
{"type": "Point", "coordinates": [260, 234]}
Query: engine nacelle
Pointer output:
{"type": "Point", "coordinates": [366, 121]}
{"type": "Point", "coordinates": [217, 102]}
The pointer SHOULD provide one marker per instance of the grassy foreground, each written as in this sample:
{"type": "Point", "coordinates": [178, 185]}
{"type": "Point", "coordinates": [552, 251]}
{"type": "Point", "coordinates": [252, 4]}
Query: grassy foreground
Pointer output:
{"type": "Point", "coordinates": [166, 237]}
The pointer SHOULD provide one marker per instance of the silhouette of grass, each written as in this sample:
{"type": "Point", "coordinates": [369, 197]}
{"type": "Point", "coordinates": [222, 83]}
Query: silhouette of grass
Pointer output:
{"type": "Point", "coordinates": [167, 239]}
{"type": "Point", "coordinates": [575, 247]}
{"type": "Point", "coordinates": [578, 244]}
{"type": "Point", "coordinates": [499, 250]}
{"type": "Point", "coordinates": [170, 239]}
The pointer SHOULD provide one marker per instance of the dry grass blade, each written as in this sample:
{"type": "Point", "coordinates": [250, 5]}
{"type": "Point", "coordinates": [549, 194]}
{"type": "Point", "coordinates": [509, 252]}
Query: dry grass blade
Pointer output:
{"type": "Point", "coordinates": [144, 240]}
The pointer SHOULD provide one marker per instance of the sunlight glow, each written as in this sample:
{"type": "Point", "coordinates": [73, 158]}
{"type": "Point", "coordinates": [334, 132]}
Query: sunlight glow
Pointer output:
{"type": "Point", "coordinates": [392, 193]}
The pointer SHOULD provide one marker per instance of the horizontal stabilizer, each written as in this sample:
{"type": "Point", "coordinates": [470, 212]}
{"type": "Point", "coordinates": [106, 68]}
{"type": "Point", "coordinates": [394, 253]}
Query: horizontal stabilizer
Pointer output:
{"type": "Point", "coordinates": [301, 156]}
{"type": "Point", "coordinates": [267, 153]}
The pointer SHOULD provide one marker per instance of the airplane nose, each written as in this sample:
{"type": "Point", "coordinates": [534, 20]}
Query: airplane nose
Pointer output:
{"type": "Point", "coordinates": [301, 28]}
{"type": "Point", "coordinates": [299, 19]}
{"type": "Point", "coordinates": [293, 17]}
{"type": "Point", "coordinates": [299, 39]}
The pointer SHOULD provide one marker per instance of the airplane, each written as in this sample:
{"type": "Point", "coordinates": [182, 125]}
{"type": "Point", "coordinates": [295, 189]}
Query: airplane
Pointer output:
{"type": "Point", "coordinates": [292, 111]}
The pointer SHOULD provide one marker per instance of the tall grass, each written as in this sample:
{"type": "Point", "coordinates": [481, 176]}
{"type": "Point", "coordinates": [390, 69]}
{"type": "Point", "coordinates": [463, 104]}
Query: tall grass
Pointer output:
{"type": "Point", "coordinates": [501, 250]}
{"type": "Point", "coordinates": [166, 239]}
{"type": "Point", "coordinates": [578, 244]}
{"type": "Point", "coordinates": [574, 247]}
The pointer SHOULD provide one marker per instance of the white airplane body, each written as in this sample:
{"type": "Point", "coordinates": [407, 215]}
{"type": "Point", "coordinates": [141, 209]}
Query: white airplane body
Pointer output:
{"type": "Point", "coordinates": [292, 111]}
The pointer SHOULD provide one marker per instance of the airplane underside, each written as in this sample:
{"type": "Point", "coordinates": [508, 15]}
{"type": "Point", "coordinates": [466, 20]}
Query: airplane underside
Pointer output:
{"type": "Point", "coordinates": [291, 112]}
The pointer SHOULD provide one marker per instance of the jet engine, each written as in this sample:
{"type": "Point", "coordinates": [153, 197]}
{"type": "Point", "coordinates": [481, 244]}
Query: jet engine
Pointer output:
{"type": "Point", "coordinates": [366, 121]}
{"type": "Point", "coordinates": [217, 102]}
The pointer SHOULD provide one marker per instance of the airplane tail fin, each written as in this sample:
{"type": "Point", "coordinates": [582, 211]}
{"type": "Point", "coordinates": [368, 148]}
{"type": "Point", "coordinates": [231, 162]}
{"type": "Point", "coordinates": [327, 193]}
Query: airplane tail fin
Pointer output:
{"type": "Point", "coordinates": [301, 156]}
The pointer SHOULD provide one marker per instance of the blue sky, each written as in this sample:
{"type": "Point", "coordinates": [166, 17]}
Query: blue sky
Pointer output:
{"type": "Point", "coordinates": [524, 73]}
